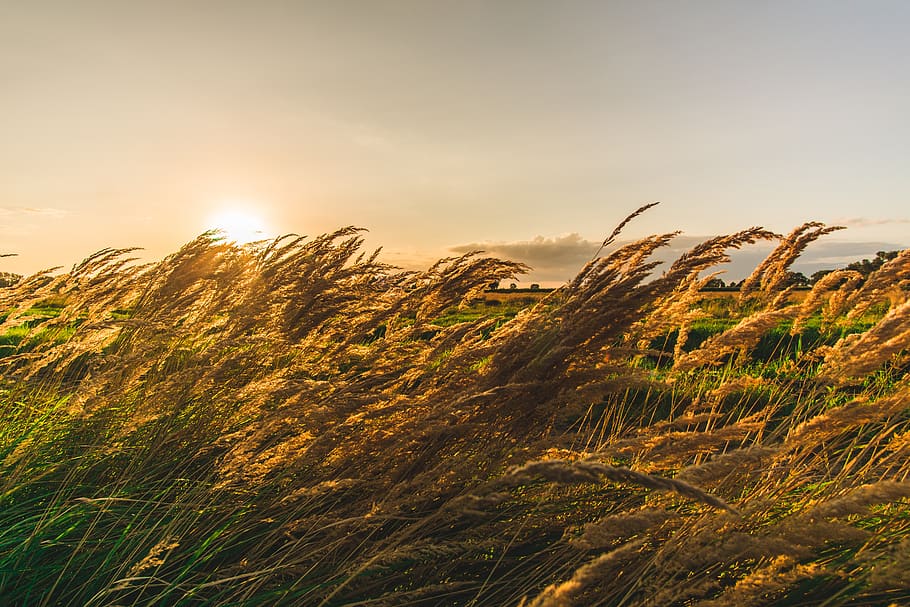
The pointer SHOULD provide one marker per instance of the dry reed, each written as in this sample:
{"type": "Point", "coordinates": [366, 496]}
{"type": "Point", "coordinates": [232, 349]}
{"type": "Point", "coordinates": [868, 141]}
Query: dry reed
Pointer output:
{"type": "Point", "coordinates": [295, 422]}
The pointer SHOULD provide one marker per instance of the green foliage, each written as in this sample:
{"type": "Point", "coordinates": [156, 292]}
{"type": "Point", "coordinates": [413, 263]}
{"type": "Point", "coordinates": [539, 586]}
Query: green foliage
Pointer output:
{"type": "Point", "coordinates": [867, 266]}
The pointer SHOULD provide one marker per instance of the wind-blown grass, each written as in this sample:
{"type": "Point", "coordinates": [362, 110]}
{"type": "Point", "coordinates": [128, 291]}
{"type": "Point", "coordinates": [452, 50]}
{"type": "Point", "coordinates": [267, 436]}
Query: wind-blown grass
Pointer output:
{"type": "Point", "coordinates": [296, 423]}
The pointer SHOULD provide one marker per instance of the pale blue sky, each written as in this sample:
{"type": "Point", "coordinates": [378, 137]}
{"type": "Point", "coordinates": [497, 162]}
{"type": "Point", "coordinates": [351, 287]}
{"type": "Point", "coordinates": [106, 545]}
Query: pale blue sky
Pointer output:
{"type": "Point", "coordinates": [442, 124]}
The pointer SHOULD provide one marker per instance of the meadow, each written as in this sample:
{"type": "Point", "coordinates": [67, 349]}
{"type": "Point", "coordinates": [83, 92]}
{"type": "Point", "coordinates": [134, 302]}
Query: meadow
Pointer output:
{"type": "Point", "coordinates": [294, 422]}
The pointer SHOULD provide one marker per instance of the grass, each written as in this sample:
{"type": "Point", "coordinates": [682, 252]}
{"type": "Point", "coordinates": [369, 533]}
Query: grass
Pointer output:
{"type": "Point", "coordinates": [295, 423]}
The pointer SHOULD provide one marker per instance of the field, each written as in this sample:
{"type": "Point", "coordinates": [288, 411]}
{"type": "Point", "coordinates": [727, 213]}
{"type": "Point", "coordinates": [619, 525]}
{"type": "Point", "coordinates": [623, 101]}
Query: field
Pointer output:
{"type": "Point", "coordinates": [296, 423]}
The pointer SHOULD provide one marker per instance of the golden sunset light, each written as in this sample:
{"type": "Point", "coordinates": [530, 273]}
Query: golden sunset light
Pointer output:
{"type": "Point", "coordinates": [239, 223]}
{"type": "Point", "coordinates": [455, 303]}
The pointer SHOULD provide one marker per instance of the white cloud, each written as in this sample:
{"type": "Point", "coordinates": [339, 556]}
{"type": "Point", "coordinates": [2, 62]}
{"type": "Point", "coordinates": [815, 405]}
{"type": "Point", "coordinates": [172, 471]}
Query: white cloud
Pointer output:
{"type": "Point", "coordinates": [865, 222]}
{"type": "Point", "coordinates": [552, 259]}
{"type": "Point", "coordinates": [32, 212]}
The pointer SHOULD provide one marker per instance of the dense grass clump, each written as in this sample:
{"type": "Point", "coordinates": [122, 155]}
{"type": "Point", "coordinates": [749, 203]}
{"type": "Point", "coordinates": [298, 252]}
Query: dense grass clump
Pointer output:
{"type": "Point", "coordinates": [295, 423]}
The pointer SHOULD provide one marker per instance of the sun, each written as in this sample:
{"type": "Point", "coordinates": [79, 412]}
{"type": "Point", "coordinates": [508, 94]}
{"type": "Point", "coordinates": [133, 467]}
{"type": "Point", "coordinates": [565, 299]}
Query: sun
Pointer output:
{"type": "Point", "coordinates": [239, 225]}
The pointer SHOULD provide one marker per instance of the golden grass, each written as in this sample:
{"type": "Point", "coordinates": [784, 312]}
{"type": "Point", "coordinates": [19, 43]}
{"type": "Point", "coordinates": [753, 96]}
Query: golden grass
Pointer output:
{"type": "Point", "coordinates": [288, 423]}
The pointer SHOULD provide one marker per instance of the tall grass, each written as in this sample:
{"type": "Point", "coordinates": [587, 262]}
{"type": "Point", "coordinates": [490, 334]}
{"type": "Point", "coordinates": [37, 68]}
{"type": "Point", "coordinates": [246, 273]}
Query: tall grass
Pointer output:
{"type": "Point", "coordinates": [296, 423]}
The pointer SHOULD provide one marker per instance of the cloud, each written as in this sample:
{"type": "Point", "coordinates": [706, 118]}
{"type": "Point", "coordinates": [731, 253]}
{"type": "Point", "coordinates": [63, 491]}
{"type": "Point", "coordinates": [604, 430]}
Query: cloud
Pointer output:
{"type": "Point", "coordinates": [552, 259]}
{"type": "Point", "coordinates": [32, 211]}
{"type": "Point", "coordinates": [836, 254]}
{"type": "Point", "coordinates": [19, 222]}
{"type": "Point", "coordinates": [865, 222]}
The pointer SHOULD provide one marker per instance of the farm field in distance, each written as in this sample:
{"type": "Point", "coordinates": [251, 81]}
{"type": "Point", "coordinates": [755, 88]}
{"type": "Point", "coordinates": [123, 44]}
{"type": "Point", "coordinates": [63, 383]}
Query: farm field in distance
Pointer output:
{"type": "Point", "coordinates": [293, 422]}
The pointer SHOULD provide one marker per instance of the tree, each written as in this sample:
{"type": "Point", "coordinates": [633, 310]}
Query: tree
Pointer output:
{"type": "Point", "coordinates": [796, 279]}
{"type": "Point", "coordinates": [867, 266]}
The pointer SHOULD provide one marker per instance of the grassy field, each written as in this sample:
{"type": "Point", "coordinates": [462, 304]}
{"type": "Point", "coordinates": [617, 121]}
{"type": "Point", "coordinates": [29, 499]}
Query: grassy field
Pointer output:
{"type": "Point", "coordinates": [295, 423]}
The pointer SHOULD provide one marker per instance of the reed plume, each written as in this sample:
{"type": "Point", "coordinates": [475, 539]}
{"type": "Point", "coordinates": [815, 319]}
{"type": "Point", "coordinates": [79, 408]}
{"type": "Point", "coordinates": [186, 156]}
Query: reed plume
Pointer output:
{"type": "Point", "coordinates": [297, 422]}
{"type": "Point", "coordinates": [771, 274]}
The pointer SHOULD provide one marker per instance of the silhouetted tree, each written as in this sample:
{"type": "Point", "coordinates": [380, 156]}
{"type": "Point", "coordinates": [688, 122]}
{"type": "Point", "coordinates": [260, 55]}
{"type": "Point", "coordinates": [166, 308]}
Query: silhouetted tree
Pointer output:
{"type": "Point", "coordinates": [867, 266]}
{"type": "Point", "coordinates": [796, 279]}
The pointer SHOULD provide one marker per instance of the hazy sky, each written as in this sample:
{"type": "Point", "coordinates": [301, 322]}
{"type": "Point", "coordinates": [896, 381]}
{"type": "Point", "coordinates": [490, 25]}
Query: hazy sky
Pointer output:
{"type": "Point", "coordinates": [517, 125]}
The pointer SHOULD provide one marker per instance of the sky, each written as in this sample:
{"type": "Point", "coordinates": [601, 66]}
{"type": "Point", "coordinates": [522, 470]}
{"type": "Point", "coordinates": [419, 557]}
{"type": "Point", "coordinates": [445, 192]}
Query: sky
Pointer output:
{"type": "Point", "coordinates": [525, 128]}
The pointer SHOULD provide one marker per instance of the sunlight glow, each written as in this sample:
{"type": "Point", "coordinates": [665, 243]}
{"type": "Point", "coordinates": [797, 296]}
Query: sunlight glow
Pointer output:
{"type": "Point", "coordinates": [239, 225]}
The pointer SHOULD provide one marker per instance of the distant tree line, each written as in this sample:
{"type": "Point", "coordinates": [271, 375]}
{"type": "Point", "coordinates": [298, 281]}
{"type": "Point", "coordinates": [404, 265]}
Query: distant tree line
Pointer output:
{"type": "Point", "coordinates": [496, 286]}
